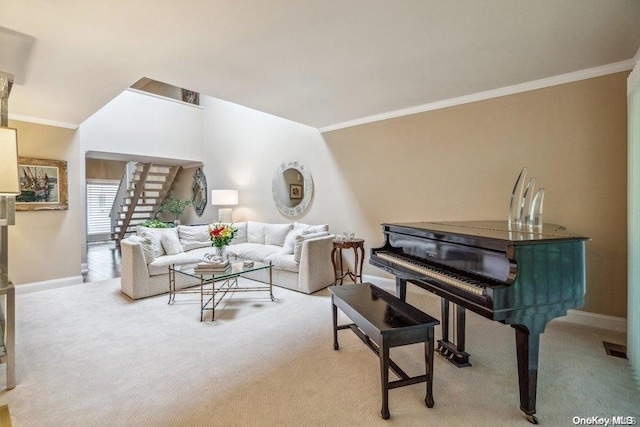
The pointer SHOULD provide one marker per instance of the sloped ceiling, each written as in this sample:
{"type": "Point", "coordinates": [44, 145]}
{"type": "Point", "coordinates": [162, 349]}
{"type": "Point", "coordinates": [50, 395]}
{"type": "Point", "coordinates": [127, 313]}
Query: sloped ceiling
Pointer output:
{"type": "Point", "coordinates": [317, 62]}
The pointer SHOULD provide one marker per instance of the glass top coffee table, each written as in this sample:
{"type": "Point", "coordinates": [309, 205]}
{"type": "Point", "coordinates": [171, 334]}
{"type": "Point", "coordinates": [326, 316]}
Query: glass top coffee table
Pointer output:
{"type": "Point", "coordinates": [213, 286]}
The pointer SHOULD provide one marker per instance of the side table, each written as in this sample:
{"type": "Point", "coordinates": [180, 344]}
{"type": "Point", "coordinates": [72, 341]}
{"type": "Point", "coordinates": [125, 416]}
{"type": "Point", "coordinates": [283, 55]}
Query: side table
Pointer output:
{"type": "Point", "coordinates": [358, 251]}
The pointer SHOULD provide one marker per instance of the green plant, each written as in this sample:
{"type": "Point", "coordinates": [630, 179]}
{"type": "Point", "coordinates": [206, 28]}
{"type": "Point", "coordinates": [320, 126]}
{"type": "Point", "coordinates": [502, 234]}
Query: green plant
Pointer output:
{"type": "Point", "coordinates": [155, 223]}
{"type": "Point", "coordinates": [174, 206]}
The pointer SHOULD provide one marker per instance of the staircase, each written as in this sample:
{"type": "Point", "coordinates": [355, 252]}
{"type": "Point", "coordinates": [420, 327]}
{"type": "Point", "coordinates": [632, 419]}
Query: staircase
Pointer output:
{"type": "Point", "coordinates": [141, 192]}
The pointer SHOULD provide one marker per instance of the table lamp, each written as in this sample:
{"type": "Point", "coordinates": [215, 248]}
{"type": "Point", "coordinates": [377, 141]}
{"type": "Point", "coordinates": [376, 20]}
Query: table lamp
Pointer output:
{"type": "Point", "coordinates": [224, 198]}
{"type": "Point", "coordinates": [9, 189]}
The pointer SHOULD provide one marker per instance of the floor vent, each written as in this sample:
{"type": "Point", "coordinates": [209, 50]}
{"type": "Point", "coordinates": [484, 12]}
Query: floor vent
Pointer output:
{"type": "Point", "coordinates": [617, 350]}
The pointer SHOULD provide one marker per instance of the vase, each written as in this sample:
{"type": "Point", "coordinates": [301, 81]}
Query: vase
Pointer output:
{"type": "Point", "coordinates": [221, 251]}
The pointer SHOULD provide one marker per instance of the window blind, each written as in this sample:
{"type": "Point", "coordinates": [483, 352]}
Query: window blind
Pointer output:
{"type": "Point", "coordinates": [100, 197]}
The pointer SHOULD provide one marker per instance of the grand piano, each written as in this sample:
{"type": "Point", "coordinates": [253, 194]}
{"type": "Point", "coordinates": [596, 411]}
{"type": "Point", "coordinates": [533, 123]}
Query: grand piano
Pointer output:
{"type": "Point", "coordinates": [522, 276]}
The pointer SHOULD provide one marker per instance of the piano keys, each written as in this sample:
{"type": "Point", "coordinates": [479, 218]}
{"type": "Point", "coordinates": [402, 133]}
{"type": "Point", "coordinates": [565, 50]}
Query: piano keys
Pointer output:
{"type": "Point", "coordinates": [516, 275]}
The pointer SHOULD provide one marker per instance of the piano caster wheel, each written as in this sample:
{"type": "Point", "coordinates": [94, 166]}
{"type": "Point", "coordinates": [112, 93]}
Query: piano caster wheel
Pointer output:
{"type": "Point", "coordinates": [532, 419]}
{"type": "Point", "coordinates": [336, 346]}
{"type": "Point", "coordinates": [429, 402]}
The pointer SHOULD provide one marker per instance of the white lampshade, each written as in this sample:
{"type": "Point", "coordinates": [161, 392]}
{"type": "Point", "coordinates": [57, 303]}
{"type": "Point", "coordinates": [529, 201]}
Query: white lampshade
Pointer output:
{"type": "Point", "coordinates": [9, 180]}
{"type": "Point", "coordinates": [224, 197]}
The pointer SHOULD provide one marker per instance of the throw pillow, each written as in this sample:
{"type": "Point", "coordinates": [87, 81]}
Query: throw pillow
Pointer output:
{"type": "Point", "coordinates": [171, 243]}
{"type": "Point", "coordinates": [297, 249]}
{"type": "Point", "coordinates": [154, 235]}
{"type": "Point", "coordinates": [147, 248]}
{"type": "Point", "coordinates": [194, 236]}
{"type": "Point", "coordinates": [289, 242]}
{"type": "Point", "coordinates": [275, 234]}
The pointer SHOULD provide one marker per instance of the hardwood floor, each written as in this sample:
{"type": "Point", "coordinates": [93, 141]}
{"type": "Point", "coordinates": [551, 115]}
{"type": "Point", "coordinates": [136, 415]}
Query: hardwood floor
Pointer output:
{"type": "Point", "coordinates": [104, 261]}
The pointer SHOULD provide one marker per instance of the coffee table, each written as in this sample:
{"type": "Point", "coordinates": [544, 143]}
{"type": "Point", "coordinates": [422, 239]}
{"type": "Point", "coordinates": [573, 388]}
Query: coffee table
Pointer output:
{"type": "Point", "coordinates": [212, 287]}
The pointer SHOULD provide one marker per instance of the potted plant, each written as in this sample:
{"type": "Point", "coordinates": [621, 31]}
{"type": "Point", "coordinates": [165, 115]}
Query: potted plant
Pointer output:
{"type": "Point", "coordinates": [175, 207]}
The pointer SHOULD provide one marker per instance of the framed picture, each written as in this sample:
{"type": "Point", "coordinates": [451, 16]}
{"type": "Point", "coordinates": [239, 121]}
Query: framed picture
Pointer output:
{"type": "Point", "coordinates": [295, 191]}
{"type": "Point", "coordinates": [43, 185]}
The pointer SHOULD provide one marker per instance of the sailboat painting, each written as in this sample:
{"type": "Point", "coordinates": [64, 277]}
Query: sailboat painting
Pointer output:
{"type": "Point", "coordinates": [43, 184]}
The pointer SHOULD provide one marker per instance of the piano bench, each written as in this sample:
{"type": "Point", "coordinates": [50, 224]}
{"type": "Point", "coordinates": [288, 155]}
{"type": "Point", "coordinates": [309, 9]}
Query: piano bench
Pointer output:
{"type": "Point", "coordinates": [383, 321]}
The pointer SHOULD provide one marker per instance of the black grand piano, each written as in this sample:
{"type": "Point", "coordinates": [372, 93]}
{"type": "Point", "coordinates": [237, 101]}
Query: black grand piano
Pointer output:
{"type": "Point", "coordinates": [518, 275]}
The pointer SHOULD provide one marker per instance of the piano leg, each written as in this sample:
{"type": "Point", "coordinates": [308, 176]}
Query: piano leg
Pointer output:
{"type": "Point", "coordinates": [454, 352]}
{"type": "Point", "coordinates": [527, 345]}
{"type": "Point", "coordinates": [401, 289]}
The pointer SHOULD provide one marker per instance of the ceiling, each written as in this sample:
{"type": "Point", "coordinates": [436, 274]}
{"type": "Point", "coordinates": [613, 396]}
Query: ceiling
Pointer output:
{"type": "Point", "coordinates": [317, 62]}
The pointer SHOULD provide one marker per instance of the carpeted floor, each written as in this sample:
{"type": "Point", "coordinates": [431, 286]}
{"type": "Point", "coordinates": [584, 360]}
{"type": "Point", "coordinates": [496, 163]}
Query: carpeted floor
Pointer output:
{"type": "Point", "coordinates": [87, 355]}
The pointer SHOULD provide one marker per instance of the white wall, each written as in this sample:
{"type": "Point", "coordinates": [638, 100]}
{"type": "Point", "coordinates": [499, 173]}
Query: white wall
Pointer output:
{"type": "Point", "coordinates": [144, 125]}
{"type": "Point", "coordinates": [244, 147]}
{"type": "Point", "coordinates": [135, 124]}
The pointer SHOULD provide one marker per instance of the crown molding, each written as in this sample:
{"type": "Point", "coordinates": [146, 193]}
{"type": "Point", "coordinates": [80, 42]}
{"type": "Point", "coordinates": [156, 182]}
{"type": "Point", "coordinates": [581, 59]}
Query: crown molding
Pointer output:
{"type": "Point", "coordinates": [495, 93]}
{"type": "Point", "coordinates": [39, 121]}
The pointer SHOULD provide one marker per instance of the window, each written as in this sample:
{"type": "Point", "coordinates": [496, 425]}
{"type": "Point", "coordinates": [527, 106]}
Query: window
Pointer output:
{"type": "Point", "coordinates": [100, 197]}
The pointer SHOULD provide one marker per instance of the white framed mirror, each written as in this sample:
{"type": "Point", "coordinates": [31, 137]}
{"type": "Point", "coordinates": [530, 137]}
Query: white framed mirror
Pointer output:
{"type": "Point", "coordinates": [292, 188]}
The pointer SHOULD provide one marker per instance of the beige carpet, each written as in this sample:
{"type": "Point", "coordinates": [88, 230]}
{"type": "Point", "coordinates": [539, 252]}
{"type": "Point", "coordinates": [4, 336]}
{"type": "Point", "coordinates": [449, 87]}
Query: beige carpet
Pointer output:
{"type": "Point", "coordinates": [87, 355]}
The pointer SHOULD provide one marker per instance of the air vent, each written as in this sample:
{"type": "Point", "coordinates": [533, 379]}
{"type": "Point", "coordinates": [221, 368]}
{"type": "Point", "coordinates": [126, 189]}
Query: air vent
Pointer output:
{"type": "Point", "coordinates": [617, 350]}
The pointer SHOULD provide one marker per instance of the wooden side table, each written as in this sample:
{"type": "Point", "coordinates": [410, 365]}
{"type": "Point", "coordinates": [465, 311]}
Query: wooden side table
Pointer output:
{"type": "Point", "coordinates": [358, 251]}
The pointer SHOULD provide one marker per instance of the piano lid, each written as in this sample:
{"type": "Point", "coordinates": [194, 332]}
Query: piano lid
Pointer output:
{"type": "Point", "coordinates": [496, 230]}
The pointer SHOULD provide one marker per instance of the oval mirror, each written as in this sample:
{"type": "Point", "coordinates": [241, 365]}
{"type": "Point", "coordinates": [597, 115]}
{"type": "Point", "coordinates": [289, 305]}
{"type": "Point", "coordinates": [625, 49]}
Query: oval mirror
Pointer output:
{"type": "Point", "coordinates": [292, 188]}
{"type": "Point", "coordinates": [199, 192]}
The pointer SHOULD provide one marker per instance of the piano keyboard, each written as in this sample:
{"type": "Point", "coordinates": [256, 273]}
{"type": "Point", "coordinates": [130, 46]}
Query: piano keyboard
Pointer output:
{"type": "Point", "coordinates": [437, 274]}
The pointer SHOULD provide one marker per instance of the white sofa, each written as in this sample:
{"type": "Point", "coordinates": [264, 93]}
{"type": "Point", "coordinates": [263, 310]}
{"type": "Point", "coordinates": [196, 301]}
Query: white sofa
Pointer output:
{"type": "Point", "coordinates": [300, 255]}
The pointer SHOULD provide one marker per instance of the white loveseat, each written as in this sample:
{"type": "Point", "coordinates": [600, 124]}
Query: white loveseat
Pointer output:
{"type": "Point", "coordinates": [300, 255]}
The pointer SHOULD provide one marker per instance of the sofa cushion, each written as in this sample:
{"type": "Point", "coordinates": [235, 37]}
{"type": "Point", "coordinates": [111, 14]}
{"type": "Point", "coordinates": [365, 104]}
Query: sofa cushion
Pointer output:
{"type": "Point", "coordinates": [255, 232]}
{"type": "Point", "coordinates": [297, 249]}
{"type": "Point", "coordinates": [275, 234]}
{"type": "Point", "coordinates": [155, 235]}
{"type": "Point", "coordinates": [241, 234]}
{"type": "Point", "coordinates": [284, 262]}
{"type": "Point", "coordinates": [290, 241]}
{"type": "Point", "coordinates": [181, 260]}
{"type": "Point", "coordinates": [299, 226]}
{"type": "Point", "coordinates": [194, 236]}
{"type": "Point", "coordinates": [147, 248]}
{"type": "Point", "coordinates": [317, 228]}
{"type": "Point", "coordinates": [252, 251]}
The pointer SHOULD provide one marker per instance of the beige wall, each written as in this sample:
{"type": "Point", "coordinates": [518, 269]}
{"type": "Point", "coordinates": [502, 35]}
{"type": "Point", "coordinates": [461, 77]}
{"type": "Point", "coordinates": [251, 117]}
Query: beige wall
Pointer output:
{"type": "Point", "coordinates": [104, 169]}
{"type": "Point", "coordinates": [45, 245]}
{"type": "Point", "coordinates": [460, 163]}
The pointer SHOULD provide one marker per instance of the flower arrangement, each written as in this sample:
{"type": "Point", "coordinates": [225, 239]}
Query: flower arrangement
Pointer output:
{"type": "Point", "coordinates": [221, 234]}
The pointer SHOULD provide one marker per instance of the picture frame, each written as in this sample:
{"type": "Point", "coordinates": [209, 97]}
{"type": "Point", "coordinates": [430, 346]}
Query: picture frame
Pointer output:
{"type": "Point", "coordinates": [295, 191]}
{"type": "Point", "coordinates": [43, 185]}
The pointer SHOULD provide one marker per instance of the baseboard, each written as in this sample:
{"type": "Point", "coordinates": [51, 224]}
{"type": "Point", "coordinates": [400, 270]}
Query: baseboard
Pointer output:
{"type": "Point", "coordinates": [28, 288]}
{"type": "Point", "coordinates": [610, 323]}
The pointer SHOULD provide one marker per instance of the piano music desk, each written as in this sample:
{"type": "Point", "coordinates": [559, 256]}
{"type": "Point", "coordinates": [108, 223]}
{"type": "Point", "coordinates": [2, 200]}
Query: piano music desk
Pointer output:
{"type": "Point", "coordinates": [358, 251]}
{"type": "Point", "coordinates": [382, 321]}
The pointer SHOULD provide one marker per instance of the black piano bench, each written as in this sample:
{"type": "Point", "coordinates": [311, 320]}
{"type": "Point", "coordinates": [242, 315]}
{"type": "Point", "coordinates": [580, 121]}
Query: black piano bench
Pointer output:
{"type": "Point", "coordinates": [383, 321]}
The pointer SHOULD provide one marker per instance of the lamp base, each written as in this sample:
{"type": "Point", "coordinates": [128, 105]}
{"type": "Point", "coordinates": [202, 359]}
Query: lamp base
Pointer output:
{"type": "Point", "coordinates": [7, 210]}
{"type": "Point", "coordinates": [224, 215]}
